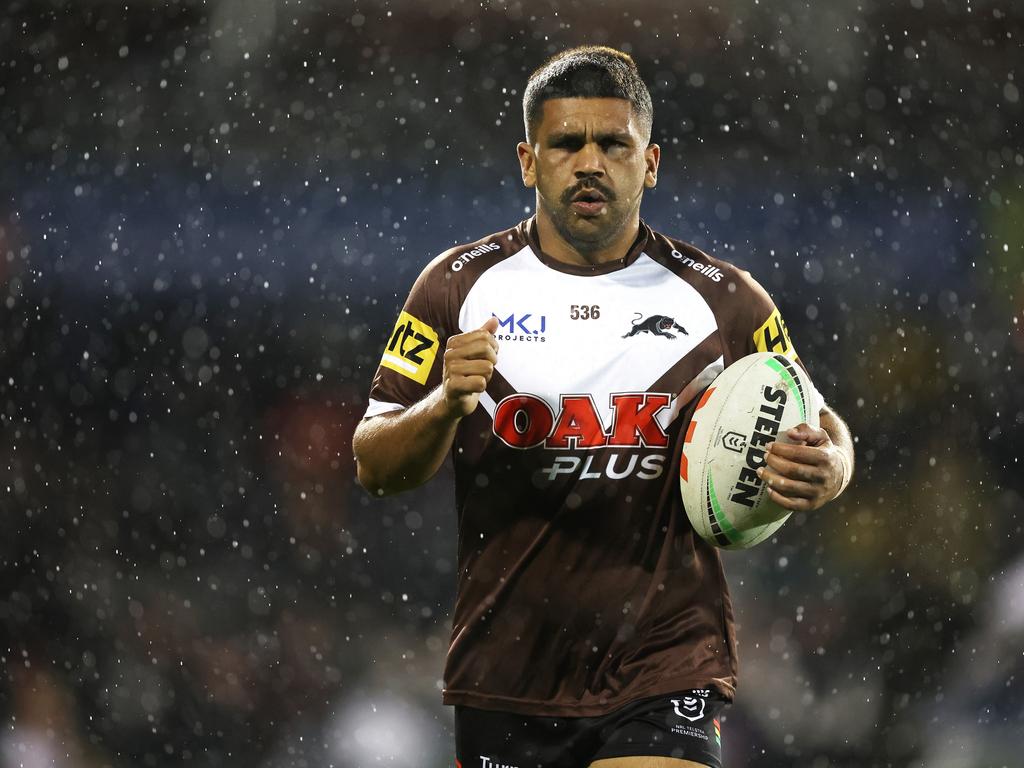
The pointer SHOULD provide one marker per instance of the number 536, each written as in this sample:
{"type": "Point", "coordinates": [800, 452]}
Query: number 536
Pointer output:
{"type": "Point", "coordinates": [584, 312]}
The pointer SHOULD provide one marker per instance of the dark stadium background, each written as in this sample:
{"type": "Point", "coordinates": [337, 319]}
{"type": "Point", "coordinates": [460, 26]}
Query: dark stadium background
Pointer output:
{"type": "Point", "coordinates": [209, 215]}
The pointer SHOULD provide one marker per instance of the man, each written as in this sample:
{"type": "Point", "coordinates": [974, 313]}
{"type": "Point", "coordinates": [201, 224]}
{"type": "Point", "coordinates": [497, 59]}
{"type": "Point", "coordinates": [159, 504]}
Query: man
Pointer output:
{"type": "Point", "coordinates": [559, 362]}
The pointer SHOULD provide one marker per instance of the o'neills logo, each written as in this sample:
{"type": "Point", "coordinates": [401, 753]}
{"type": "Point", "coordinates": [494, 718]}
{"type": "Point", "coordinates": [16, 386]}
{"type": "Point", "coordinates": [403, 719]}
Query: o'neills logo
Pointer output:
{"type": "Point", "coordinates": [765, 430]}
{"type": "Point", "coordinates": [464, 258]}
{"type": "Point", "coordinates": [707, 270]}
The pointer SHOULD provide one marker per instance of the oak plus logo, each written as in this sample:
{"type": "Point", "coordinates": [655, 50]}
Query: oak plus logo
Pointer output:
{"type": "Point", "coordinates": [521, 326]}
{"type": "Point", "coordinates": [525, 421]}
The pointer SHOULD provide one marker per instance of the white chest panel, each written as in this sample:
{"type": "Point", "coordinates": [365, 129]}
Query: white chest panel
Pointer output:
{"type": "Point", "coordinates": [626, 334]}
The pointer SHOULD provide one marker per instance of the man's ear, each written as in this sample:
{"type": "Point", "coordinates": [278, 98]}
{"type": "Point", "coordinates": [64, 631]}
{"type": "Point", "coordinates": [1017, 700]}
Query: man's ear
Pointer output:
{"type": "Point", "coordinates": [652, 156]}
{"type": "Point", "coordinates": [527, 164]}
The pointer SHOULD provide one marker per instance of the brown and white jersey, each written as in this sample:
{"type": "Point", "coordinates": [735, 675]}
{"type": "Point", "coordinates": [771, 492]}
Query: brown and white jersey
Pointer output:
{"type": "Point", "coordinates": [582, 585]}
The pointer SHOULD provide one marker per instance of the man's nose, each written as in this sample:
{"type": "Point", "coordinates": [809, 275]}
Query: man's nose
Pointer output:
{"type": "Point", "coordinates": [589, 161]}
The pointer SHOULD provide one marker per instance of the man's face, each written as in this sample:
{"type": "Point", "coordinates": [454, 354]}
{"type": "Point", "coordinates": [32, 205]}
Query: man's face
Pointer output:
{"type": "Point", "coordinates": [589, 163]}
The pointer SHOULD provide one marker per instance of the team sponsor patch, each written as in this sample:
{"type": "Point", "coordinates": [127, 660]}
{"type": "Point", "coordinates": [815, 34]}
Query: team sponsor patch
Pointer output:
{"type": "Point", "coordinates": [773, 336]}
{"type": "Point", "coordinates": [411, 349]}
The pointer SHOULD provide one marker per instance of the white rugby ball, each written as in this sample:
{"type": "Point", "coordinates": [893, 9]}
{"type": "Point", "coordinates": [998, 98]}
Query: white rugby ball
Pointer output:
{"type": "Point", "coordinates": [750, 404]}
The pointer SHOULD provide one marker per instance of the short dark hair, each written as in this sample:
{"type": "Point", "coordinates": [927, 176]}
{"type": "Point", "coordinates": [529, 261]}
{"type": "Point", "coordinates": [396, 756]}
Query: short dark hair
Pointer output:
{"type": "Point", "coordinates": [587, 72]}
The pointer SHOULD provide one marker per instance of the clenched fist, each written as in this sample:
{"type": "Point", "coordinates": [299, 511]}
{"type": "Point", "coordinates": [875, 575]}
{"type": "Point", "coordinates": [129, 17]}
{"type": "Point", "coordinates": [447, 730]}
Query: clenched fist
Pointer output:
{"type": "Point", "coordinates": [468, 366]}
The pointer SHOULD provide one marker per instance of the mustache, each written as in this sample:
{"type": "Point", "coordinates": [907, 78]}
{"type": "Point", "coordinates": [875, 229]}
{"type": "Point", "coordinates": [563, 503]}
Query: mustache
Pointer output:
{"type": "Point", "coordinates": [587, 184]}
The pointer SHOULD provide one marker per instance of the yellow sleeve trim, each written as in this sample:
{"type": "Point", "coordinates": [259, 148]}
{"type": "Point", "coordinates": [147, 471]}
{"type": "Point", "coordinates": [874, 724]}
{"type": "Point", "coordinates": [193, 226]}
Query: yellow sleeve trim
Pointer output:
{"type": "Point", "coordinates": [773, 336]}
{"type": "Point", "coordinates": [411, 349]}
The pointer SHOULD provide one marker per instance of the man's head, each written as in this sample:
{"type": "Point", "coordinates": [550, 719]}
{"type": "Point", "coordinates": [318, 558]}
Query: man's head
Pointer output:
{"type": "Point", "coordinates": [588, 152]}
{"type": "Point", "coordinates": [588, 72]}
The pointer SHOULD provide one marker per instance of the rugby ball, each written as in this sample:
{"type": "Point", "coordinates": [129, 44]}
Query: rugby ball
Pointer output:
{"type": "Point", "coordinates": [750, 404]}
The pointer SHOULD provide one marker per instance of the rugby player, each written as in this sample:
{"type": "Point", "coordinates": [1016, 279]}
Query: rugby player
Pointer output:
{"type": "Point", "coordinates": [558, 362]}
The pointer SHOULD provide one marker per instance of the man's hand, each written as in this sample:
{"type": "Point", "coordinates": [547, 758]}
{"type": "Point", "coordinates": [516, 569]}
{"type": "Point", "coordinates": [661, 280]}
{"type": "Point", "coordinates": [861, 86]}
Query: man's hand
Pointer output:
{"type": "Point", "coordinates": [805, 474]}
{"type": "Point", "coordinates": [403, 449]}
{"type": "Point", "coordinates": [468, 366]}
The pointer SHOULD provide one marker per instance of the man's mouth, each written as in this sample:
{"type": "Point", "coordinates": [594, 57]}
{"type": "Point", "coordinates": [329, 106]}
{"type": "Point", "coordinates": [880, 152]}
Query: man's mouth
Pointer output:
{"type": "Point", "coordinates": [589, 202]}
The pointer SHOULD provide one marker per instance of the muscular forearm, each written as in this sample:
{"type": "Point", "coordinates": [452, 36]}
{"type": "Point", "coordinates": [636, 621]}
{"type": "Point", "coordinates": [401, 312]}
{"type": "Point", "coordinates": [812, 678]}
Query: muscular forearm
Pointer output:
{"type": "Point", "coordinates": [403, 449]}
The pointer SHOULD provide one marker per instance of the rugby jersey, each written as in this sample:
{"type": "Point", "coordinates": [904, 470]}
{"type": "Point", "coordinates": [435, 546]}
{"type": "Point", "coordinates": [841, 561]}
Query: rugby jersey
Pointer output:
{"type": "Point", "coordinates": [581, 583]}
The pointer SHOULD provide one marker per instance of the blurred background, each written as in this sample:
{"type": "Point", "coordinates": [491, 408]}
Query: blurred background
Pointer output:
{"type": "Point", "coordinates": [210, 213]}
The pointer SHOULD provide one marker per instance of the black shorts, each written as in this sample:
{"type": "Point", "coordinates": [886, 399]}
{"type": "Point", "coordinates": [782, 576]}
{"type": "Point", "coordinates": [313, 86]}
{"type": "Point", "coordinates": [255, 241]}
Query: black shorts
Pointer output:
{"type": "Point", "coordinates": [683, 725]}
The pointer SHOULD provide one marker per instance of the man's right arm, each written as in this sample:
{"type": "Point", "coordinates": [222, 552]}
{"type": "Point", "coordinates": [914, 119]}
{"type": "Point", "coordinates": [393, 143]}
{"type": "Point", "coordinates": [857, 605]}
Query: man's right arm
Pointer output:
{"type": "Point", "coordinates": [403, 449]}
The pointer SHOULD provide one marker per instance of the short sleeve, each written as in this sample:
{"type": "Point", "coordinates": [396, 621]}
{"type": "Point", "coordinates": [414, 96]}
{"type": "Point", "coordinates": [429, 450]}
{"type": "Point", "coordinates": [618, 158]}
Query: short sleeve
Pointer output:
{"type": "Point", "coordinates": [760, 328]}
{"type": "Point", "coordinates": [410, 365]}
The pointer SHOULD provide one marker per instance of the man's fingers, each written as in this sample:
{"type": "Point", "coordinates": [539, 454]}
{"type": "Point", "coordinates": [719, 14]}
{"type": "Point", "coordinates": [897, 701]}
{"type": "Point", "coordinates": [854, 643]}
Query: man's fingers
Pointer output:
{"type": "Point", "coordinates": [474, 339]}
{"type": "Point", "coordinates": [790, 503]}
{"type": "Point", "coordinates": [805, 433]}
{"type": "Point", "coordinates": [467, 377]}
{"type": "Point", "coordinates": [470, 368]}
{"type": "Point", "coordinates": [462, 339]}
{"type": "Point", "coordinates": [469, 361]}
{"type": "Point", "coordinates": [788, 486]}
{"type": "Point", "coordinates": [471, 385]}
{"type": "Point", "coordinates": [791, 464]}
{"type": "Point", "coordinates": [794, 470]}
{"type": "Point", "coordinates": [474, 349]}
{"type": "Point", "coordinates": [802, 454]}
{"type": "Point", "coordinates": [472, 344]}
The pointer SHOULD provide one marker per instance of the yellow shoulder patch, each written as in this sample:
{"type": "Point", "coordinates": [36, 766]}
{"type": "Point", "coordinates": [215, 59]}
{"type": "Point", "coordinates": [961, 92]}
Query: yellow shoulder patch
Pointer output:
{"type": "Point", "coordinates": [773, 336]}
{"type": "Point", "coordinates": [411, 349]}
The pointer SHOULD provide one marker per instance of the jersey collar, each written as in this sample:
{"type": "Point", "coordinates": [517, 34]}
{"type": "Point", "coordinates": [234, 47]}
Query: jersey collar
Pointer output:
{"type": "Point", "coordinates": [529, 230]}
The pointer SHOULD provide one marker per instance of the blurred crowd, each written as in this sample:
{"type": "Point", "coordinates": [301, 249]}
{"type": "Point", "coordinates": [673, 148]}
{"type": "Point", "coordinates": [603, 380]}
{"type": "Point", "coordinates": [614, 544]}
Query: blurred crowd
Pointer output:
{"type": "Point", "coordinates": [210, 213]}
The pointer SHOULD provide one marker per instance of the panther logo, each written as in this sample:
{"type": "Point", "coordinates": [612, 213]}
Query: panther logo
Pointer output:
{"type": "Point", "coordinates": [689, 707]}
{"type": "Point", "coordinates": [657, 325]}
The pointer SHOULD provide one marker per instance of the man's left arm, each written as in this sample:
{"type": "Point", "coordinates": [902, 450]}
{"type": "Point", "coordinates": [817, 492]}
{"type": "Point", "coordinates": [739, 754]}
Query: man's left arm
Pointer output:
{"type": "Point", "coordinates": [812, 470]}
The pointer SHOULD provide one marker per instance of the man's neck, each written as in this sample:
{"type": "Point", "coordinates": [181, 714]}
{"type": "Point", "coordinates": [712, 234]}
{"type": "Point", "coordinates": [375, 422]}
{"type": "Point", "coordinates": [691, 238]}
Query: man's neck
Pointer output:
{"type": "Point", "coordinates": [557, 247]}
